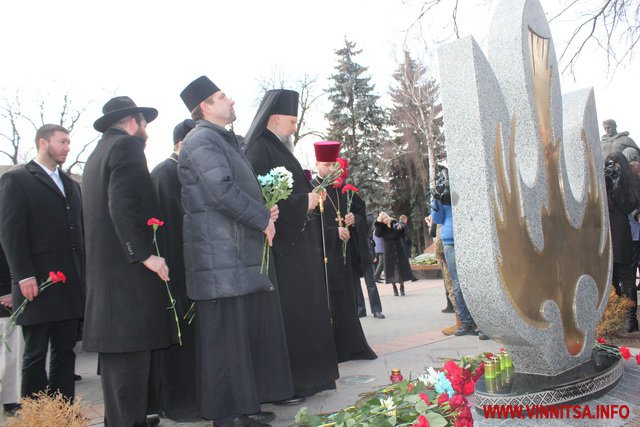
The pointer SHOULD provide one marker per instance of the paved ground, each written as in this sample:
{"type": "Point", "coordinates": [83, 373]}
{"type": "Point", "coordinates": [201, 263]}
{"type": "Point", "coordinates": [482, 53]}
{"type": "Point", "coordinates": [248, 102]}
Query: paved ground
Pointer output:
{"type": "Point", "coordinates": [409, 338]}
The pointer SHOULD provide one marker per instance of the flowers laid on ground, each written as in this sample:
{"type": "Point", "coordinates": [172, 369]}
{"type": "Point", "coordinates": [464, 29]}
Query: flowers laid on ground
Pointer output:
{"type": "Point", "coordinates": [613, 350]}
{"type": "Point", "coordinates": [277, 185]}
{"type": "Point", "coordinates": [436, 398]}
{"type": "Point", "coordinates": [155, 223]}
{"type": "Point", "coordinates": [54, 277]}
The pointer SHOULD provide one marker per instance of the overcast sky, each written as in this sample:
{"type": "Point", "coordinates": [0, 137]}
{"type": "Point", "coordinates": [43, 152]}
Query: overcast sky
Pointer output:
{"type": "Point", "coordinates": [151, 50]}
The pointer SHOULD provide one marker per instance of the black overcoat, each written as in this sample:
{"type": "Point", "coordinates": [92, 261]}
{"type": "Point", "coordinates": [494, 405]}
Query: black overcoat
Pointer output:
{"type": "Point", "coordinates": [396, 261]}
{"type": "Point", "coordinates": [126, 302]}
{"type": "Point", "coordinates": [297, 251]}
{"type": "Point", "coordinates": [621, 240]}
{"type": "Point", "coordinates": [41, 231]}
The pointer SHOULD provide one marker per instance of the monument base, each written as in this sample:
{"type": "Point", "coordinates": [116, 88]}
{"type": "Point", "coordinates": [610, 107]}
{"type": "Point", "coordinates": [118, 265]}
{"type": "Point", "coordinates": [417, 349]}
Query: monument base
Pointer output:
{"type": "Point", "coordinates": [587, 381]}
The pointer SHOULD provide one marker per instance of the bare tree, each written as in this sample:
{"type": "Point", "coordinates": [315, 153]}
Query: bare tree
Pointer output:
{"type": "Point", "coordinates": [309, 96]}
{"type": "Point", "coordinates": [612, 25]}
{"type": "Point", "coordinates": [15, 118]}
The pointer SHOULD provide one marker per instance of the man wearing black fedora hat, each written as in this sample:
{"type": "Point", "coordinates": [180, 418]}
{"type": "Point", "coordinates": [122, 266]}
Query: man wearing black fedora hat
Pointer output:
{"type": "Point", "coordinates": [126, 315]}
{"type": "Point", "coordinates": [239, 329]}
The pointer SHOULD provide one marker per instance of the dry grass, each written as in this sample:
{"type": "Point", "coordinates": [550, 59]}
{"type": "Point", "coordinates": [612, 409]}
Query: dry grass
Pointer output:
{"type": "Point", "coordinates": [48, 411]}
{"type": "Point", "coordinates": [613, 320]}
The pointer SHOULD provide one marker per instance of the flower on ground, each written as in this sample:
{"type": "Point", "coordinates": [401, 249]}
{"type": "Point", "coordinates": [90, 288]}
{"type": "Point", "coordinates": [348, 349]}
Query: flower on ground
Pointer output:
{"type": "Point", "coordinates": [625, 353]}
{"type": "Point", "coordinates": [456, 401]}
{"type": "Point", "coordinates": [424, 398]}
{"type": "Point", "coordinates": [422, 421]}
{"type": "Point", "coordinates": [443, 398]}
{"type": "Point", "coordinates": [601, 340]}
{"type": "Point", "coordinates": [444, 385]}
{"type": "Point", "coordinates": [388, 403]}
{"type": "Point", "coordinates": [638, 358]}
{"type": "Point", "coordinates": [409, 388]}
{"type": "Point", "coordinates": [429, 378]}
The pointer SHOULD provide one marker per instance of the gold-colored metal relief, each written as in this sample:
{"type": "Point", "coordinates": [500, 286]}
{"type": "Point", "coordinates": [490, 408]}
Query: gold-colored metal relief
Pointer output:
{"type": "Point", "coordinates": [532, 276]}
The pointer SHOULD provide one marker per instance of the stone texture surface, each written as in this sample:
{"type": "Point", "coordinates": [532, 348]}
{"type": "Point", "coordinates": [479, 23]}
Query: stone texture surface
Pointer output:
{"type": "Point", "coordinates": [480, 98]}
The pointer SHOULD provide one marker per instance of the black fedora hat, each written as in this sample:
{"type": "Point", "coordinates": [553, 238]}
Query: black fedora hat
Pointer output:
{"type": "Point", "coordinates": [120, 107]}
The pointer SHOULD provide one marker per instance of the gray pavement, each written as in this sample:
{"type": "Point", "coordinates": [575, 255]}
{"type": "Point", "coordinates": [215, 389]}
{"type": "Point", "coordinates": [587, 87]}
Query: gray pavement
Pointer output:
{"type": "Point", "coordinates": [409, 339]}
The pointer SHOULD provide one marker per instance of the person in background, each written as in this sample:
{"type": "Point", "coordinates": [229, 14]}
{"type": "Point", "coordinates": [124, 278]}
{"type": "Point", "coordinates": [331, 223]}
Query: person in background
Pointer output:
{"type": "Point", "coordinates": [396, 264]}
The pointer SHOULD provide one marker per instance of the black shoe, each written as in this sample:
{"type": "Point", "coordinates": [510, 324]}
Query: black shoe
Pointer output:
{"type": "Point", "coordinates": [395, 290]}
{"type": "Point", "coordinates": [379, 316]}
{"type": "Point", "coordinates": [153, 420]}
{"type": "Point", "coordinates": [482, 336]}
{"type": "Point", "coordinates": [77, 377]}
{"type": "Point", "coordinates": [10, 409]}
{"type": "Point", "coordinates": [291, 401]}
{"type": "Point", "coordinates": [465, 329]}
{"type": "Point", "coordinates": [402, 290]}
{"type": "Point", "coordinates": [262, 416]}
{"type": "Point", "coordinates": [379, 281]}
{"type": "Point", "coordinates": [447, 310]}
{"type": "Point", "coordinates": [241, 421]}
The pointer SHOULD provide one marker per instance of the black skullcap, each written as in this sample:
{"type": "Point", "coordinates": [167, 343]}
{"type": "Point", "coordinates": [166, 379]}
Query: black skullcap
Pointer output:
{"type": "Point", "coordinates": [197, 91]}
{"type": "Point", "coordinates": [182, 129]}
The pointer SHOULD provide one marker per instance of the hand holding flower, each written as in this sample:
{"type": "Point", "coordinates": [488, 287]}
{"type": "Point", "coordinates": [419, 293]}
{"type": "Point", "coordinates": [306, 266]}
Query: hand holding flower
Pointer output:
{"type": "Point", "coordinates": [350, 219]}
{"type": "Point", "coordinates": [270, 232]}
{"type": "Point", "coordinates": [29, 288]}
{"type": "Point", "coordinates": [274, 213]}
{"type": "Point", "coordinates": [344, 233]}
{"type": "Point", "coordinates": [314, 199]}
{"type": "Point", "coordinates": [5, 301]}
{"type": "Point", "coordinates": [157, 265]}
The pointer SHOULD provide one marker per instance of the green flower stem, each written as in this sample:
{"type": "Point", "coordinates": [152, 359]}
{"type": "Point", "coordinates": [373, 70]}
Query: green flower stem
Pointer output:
{"type": "Point", "coordinates": [172, 301]}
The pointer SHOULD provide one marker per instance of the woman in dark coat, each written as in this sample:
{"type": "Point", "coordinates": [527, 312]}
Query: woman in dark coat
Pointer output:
{"type": "Point", "coordinates": [623, 196]}
{"type": "Point", "coordinates": [396, 262]}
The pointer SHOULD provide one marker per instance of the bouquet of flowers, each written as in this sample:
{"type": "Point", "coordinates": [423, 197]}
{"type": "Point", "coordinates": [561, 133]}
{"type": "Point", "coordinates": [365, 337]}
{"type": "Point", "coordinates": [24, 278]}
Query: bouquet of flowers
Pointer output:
{"type": "Point", "coordinates": [435, 398]}
{"type": "Point", "coordinates": [349, 190]}
{"type": "Point", "coordinates": [277, 185]}
{"type": "Point", "coordinates": [54, 277]}
{"type": "Point", "coordinates": [336, 178]}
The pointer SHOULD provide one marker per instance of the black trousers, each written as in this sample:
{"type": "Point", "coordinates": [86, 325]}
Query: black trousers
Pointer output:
{"type": "Point", "coordinates": [62, 337]}
{"type": "Point", "coordinates": [372, 290]}
{"type": "Point", "coordinates": [125, 387]}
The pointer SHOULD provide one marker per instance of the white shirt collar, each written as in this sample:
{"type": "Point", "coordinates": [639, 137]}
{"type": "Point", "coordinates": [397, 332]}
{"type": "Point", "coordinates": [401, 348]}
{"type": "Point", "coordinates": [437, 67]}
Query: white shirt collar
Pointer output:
{"type": "Point", "coordinates": [47, 170]}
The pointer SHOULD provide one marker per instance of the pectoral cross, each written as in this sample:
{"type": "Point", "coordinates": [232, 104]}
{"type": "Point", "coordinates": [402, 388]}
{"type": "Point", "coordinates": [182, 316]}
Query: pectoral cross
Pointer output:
{"type": "Point", "coordinates": [339, 219]}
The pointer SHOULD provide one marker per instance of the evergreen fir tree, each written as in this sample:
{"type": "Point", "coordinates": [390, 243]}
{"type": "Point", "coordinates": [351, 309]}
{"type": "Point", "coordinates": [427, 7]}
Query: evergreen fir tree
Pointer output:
{"type": "Point", "coordinates": [358, 122]}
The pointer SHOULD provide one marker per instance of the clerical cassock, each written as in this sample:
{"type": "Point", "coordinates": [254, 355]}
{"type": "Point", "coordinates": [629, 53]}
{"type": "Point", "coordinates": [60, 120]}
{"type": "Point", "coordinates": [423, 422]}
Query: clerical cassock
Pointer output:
{"type": "Point", "coordinates": [297, 252]}
{"type": "Point", "coordinates": [173, 375]}
{"type": "Point", "coordinates": [351, 343]}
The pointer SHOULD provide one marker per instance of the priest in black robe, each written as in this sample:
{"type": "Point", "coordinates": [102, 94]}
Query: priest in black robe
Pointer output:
{"type": "Point", "coordinates": [351, 343]}
{"type": "Point", "coordinates": [297, 249]}
{"type": "Point", "coordinates": [173, 375]}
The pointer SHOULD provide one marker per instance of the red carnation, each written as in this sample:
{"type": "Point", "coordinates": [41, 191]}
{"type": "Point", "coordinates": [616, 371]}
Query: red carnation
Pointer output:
{"type": "Point", "coordinates": [349, 187]}
{"type": "Point", "coordinates": [337, 183]}
{"type": "Point", "coordinates": [601, 340]}
{"type": "Point", "coordinates": [53, 276]}
{"type": "Point", "coordinates": [625, 353]}
{"type": "Point", "coordinates": [422, 422]}
{"type": "Point", "coordinates": [344, 165]}
{"type": "Point", "coordinates": [61, 277]}
{"type": "Point", "coordinates": [451, 368]}
{"type": "Point", "coordinates": [469, 388]}
{"type": "Point", "coordinates": [456, 401]}
{"type": "Point", "coordinates": [443, 398]}
{"type": "Point", "coordinates": [424, 398]}
{"type": "Point", "coordinates": [409, 388]}
{"type": "Point", "coordinates": [638, 358]}
{"type": "Point", "coordinates": [155, 221]}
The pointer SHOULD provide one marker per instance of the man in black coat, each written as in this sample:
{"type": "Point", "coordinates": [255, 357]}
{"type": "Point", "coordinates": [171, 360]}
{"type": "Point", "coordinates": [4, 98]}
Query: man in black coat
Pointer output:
{"type": "Point", "coordinates": [41, 231]}
{"type": "Point", "coordinates": [297, 249]}
{"type": "Point", "coordinates": [127, 314]}
{"type": "Point", "coordinates": [173, 374]}
{"type": "Point", "coordinates": [239, 332]}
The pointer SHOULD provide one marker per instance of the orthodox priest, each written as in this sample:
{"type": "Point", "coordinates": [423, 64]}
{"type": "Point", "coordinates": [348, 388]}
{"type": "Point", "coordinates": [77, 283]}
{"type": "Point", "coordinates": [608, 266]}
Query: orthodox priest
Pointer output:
{"type": "Point", "coordinates": [351, 343]}
{"type": "Point", "coordinates": [297, 249]}
{"type": "Point", "coordinates": [173, 390]}
{"type": "Point", "coordinates": [241, 347]}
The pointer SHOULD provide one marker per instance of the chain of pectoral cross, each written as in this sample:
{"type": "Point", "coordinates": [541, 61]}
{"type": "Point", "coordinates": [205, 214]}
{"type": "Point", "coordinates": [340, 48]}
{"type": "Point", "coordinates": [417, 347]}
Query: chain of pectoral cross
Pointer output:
{"type": "Point", "coordinates": [339, 219]}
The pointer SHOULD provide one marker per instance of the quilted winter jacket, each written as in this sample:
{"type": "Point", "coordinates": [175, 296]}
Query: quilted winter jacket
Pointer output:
{"type": "Point", "coordinates": [224, 216]}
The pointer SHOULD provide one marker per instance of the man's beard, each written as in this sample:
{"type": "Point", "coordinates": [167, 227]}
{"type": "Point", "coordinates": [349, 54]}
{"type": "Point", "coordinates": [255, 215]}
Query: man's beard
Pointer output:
{"type": "Point", "coordinates": [141, 133]}
{"type": "Point", "coordinates": [288, 142]}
